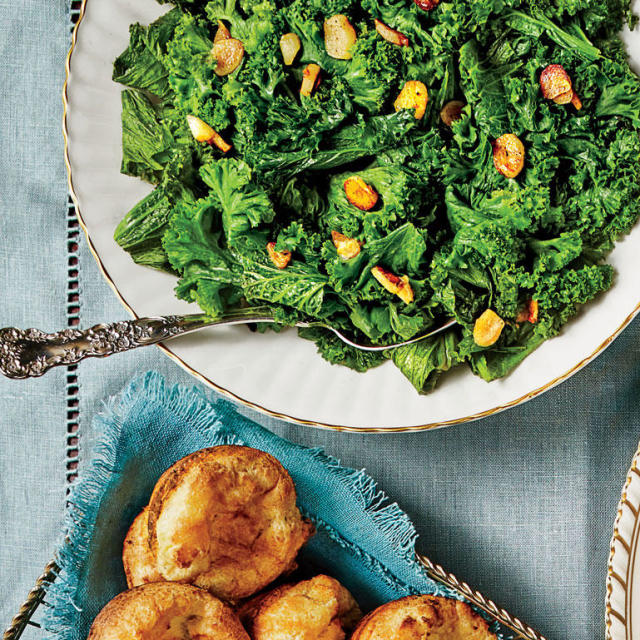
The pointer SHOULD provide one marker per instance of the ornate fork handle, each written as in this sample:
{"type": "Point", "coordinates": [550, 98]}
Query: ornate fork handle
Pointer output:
{"type": "Point", "coordinates": [31, 352]}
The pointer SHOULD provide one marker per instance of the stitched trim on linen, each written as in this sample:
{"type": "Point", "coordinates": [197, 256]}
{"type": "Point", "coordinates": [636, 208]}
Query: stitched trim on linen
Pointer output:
{"type": "Point", "coordinates": [73, 313]}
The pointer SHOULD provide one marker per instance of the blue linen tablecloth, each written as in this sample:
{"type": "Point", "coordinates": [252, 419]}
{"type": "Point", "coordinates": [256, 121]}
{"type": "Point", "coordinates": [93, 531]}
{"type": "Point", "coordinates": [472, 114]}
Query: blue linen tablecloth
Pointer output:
{"type": "Point", "coordinates": [520, 505]}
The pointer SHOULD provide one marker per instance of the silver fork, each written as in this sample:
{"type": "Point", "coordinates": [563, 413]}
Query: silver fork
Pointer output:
{"type": "Point", "coordinates": [30, 353]}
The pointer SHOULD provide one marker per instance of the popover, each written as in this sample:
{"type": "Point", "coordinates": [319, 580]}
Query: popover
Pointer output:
{"type": "Point", "coordinates": [425, 616]}
{"type": "Point", "coordinates": [225, 519]}
{"type": "Point", "coordinates": [166, 611]}
{"type": "Point", "coordinates": [316, 609]}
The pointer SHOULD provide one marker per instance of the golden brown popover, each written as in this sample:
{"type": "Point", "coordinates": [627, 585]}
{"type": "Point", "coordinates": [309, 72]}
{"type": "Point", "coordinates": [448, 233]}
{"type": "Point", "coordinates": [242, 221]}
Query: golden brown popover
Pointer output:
{"type": "Point", "coordinates": [139, 563]}
{"type": "Point", "coordinates": [166, 611]}
{"type": "Point", "coordinates": [226, 519]}
{"type": "Point", "coordinates": [418, 617]}
{"type": "Point", "coordinates": [316, 609]}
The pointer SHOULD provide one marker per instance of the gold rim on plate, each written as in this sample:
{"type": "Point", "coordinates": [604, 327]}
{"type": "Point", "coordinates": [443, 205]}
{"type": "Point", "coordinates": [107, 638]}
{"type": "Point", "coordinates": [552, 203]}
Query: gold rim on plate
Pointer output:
{"type": "Point", "coordinates": [265, 410]}
{"type": "Point", "coordinates": [623, 550]}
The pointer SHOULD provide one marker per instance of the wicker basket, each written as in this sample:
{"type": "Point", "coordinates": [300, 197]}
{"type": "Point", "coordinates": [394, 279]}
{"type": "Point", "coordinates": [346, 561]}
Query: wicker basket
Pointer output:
{"type": "Point", "coordinates": [24, 617]}
{"type": "Point", "coordinates": [37, 597]}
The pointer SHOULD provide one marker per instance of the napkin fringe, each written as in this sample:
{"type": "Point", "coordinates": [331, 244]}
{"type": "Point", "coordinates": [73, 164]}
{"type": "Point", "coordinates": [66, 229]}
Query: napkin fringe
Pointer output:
{"type": "Point", "coordinates": [86, 497]}
{"type": "Point", "coordinates": [390, 519]}
{"type": "Point", "coordinates": [79, 522]}
{"type": "Point", "coordinates": [84, 504]}
{"type": "Point", "coordinates": [215, 422]}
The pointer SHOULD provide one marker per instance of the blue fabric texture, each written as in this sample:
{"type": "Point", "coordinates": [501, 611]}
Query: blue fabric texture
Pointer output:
{"type": "Point", "coordinates": [33, 286]}
{"type": "Point", "coordinates": [520, 505]}
{"type": "Point", "coordinates": [363, 539]}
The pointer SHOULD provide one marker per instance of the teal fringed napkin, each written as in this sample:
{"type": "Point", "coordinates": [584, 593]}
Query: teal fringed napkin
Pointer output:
{"type": "Point", "coordinates": [363, 540]}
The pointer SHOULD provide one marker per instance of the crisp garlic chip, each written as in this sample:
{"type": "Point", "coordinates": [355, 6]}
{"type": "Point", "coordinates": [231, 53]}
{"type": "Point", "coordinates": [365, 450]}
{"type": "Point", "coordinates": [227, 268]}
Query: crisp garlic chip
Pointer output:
{"type": "Point", "coordinates": [508, 155]}
{"type": "Point", "coordinates": [487, 328]}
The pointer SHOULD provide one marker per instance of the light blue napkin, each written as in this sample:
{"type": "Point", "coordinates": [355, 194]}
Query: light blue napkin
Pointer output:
{"type": "Point", "coordinates": [362, 539]}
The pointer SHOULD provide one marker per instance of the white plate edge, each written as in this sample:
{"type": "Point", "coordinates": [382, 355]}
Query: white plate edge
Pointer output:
{"type": "Point", "coordinates": [512, 402]}
{"type": "Point", "coordinates": [623, 551]}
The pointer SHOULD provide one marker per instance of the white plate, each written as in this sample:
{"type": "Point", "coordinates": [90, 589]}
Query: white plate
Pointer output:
{"type": "Point", "coordinates": [623, 575]}
{"type": "Point", "coordinates": [280, 373]}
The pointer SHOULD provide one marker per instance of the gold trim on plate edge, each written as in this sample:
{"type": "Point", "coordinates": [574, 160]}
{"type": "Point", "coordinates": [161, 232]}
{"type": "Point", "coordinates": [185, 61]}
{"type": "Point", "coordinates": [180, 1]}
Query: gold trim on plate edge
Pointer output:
{"type": "Point", "coordinates": [253, 405]}
{"type": "Point", "coordinates": [622, 542]}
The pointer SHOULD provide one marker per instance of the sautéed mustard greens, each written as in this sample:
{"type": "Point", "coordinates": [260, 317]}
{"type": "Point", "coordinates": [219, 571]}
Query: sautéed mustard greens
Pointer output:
{"type": "Point", "coordinates": [464, 237]}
